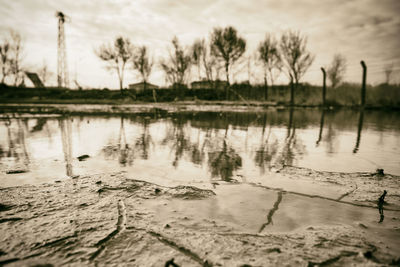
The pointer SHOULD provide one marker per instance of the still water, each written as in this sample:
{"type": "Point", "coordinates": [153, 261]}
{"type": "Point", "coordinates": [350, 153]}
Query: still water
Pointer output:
{"type": "Point", "coordinates": [197, 147]}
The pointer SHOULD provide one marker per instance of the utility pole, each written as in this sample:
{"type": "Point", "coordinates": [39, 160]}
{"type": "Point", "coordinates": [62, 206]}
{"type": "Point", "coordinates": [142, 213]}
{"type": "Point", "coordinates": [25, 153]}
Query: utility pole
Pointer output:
{"type": "Point", "coordinates": [62, 68]}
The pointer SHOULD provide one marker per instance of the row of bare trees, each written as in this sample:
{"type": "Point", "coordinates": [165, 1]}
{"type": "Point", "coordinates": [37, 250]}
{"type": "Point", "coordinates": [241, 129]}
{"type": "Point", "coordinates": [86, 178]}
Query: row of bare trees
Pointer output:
{"type": "Point", "coordinates": [222, 51]}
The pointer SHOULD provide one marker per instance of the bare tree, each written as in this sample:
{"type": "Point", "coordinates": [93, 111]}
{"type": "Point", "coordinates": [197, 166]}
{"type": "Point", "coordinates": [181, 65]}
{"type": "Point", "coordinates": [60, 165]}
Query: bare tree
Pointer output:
{"type": "Point", "coordinates": [16, 57]}
{"type": "Point", "coordinates": [210, 63]}
{"type": "Point", "coordinates": [143, 64]}
{"type": "Point", "coordinates": [268, 54]}
{"type": "Point", "coordinates": [336, 70]}
{"type": "Point", "coordinates": [203, 56]}
{"type": "Point", "coordinates": [295, 55]}
{"type": "Point", "coordinates": [5, 59]}
{"type": "Point", "coordinates": [388, 72]}
{"type": "Point", "coordinates": [117, 56]}
{"type": "Point", "coordinates": [197, 54]}
{"type": "Point", "coordinates": [227, 46]}
{"type": "Point", "coordinates": [177, 68]}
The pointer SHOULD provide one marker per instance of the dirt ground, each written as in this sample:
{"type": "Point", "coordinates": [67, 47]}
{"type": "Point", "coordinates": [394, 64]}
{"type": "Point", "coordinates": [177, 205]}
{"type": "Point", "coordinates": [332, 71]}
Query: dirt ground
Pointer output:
{"type": "Point", "coordinates": [115, 220]}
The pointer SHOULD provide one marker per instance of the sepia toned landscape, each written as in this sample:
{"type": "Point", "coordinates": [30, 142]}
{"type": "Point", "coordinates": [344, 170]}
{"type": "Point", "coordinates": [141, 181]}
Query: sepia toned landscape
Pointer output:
{"type": "Point", "coordinates": [180, 133]}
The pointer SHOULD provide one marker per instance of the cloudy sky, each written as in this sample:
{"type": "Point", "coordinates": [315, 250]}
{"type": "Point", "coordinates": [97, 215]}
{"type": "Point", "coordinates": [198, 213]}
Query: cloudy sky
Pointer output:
{"type": "Point", "coordinates": [359, 29]}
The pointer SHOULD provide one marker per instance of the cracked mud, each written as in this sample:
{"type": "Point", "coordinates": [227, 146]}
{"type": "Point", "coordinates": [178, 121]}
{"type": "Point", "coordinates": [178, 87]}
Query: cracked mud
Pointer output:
{"type": "Point", "coordinates": [125, 222]}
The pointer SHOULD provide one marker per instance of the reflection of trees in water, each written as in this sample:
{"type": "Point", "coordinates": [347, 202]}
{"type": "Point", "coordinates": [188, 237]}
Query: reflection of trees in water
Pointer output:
{"type": "Point", "coordinates": [143, 142]}
{"type": "Point", "coordinates": [121, 151]}
{"type": "Point", "coordinates": [17, 148]}
{"type": "Point", "coordinates": [222, 159]}
{"type": "Point", "coordinates": [266, 153]}
{"type": "Point", "coordinates": [222, 163]}
{"type": "Point", "coordinates": [181, 145]}
{"type": "Point", "coordinates": [180, 142]}
{"type": "Point", "coordinates": [66, 138]}
{"type": "Point", "coordinates": [292, 146]}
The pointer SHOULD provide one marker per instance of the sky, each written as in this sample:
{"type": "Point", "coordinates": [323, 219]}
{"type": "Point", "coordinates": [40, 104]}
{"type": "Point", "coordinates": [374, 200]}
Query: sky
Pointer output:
{"type": "Point", "coordinates": [359, 29]}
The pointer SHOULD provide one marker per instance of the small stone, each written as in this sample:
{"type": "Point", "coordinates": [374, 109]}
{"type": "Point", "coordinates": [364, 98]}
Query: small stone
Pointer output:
{"type": "Point", "coordinates": [83, 157]}
{"type": "Point", "coordinates": [98, 182]}
{"type": "Point", "coordinates": [157, 190]}
{"type": "Point", "coordinates": [16, 171]}
{"type": "Point", "coordinates": [380, 172]}
{"type": "Point", "coordinates": [362, 226]}
{"type": "Point", "coordinates": [368, 254]}
{"type": "Point", "coordinates": [167, 226]}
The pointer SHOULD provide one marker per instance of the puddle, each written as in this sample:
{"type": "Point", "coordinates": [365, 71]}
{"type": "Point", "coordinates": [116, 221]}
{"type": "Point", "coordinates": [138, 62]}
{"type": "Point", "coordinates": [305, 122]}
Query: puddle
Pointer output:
{"type": "Point", "coordinates": [196, 147]}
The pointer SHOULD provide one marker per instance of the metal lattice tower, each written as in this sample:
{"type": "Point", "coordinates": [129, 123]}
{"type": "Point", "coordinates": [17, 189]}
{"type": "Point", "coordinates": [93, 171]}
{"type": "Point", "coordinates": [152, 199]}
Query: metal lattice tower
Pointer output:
{"type": "Point", "coordinates": [62, 68]}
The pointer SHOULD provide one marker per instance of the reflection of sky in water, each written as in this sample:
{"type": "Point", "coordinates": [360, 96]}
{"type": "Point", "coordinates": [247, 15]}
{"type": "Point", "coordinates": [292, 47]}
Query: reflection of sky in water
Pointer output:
{"type": "Point", "coordinates": [199, 147]}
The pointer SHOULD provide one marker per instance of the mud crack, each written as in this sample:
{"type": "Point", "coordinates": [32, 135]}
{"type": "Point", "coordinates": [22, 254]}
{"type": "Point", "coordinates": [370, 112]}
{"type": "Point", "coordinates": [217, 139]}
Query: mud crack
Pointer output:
{"type": "Point", "coordinates": [12, 219]}
{"type": "Point", "coordinates": [120, 227]}
{"type": "Point", "coordinates": [180, 248]}
{"type": "Point", "coordinates": [55, 242]}
{"type": "Point", "coordinates": [332, 260]}
{"type": "Point", "coordinates": [347, 193]}
{"type": "Point", "coordinates": [272, 211]}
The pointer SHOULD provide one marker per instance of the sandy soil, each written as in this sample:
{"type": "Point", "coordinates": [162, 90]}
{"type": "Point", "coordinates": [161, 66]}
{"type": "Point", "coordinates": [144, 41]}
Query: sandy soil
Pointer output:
{"type": "Point", "coordinates": [112, 219]}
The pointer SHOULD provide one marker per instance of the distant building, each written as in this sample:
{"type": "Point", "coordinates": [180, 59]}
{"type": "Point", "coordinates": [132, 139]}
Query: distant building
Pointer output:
{"type": "Point", "coordinates": [34, 79]}
{"type": "Point", "coordinates": [204, 84]}
{"type": "Point", "coordinates": [141, 86]}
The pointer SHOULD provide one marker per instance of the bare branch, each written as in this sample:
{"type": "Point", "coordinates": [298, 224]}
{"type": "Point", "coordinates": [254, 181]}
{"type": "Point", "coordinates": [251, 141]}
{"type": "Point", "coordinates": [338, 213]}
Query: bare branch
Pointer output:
{"type": "Point", "coordinates": [295, 55]}
{"type": "Point", "coordinates": [178, 67]}
{"type": "Point", "coordinates": [336, 70]}
{"type": "Point", "coordinates": [227, 46]}
{"type": "Point", "coordinates": [117, 56]}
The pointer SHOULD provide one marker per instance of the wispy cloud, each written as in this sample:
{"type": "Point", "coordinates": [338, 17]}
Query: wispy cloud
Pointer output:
{"type": "Point", "coordinates": [360, 29]}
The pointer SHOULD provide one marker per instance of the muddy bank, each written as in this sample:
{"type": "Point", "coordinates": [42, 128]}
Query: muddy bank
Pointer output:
{"type": "Point", "coordinates": [108, 109]}
{"type": "Point", "coordinates": [112, 220]}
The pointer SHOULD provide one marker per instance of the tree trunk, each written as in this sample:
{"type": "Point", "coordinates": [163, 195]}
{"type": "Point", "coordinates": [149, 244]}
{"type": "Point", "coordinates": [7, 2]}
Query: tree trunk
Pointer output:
{"type": "Point", "coordinates": [199, 68]}
{"type": "Point", "coordinates": [154, 96]}
{"type": "Point", "coordinates": [291, 91]}
{"type": "Point", "coordinates": [266, 88]}
{"type": "Point", "coordinates": [227, 80]}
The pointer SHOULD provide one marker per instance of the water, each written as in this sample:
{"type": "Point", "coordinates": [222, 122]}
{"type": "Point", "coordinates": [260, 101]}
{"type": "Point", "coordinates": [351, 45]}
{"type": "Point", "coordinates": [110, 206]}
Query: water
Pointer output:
{"type": "Point", "coordinates": [197, 147]}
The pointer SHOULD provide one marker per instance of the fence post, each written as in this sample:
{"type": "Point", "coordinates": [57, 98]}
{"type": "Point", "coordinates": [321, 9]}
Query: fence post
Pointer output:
{"type": "Point", "coordinates": [323, 86]}
{"type": "Point", "coordinates": [364, 80]}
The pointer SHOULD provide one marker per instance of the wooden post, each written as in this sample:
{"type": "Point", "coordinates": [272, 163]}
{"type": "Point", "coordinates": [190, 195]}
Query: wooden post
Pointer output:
{"type": "Point", "coordinates": [323, 86]}
{"type": "Point", "coordinates": [364, 80]}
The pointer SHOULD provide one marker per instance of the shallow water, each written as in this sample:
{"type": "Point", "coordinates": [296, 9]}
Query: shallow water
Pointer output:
{"type": "Point", "coordinates": [197, 147]}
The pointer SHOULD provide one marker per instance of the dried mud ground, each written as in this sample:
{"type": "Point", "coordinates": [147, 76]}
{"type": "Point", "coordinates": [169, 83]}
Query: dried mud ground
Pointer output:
{"type": "Point", "coordinates": [115, 220]}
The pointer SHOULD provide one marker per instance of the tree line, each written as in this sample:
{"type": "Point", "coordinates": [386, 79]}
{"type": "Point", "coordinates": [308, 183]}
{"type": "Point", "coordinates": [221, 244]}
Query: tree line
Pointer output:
{"type": "Point", "coordinates": [218, 56]}
{"type": "Point", "coordinates": [213, 58]}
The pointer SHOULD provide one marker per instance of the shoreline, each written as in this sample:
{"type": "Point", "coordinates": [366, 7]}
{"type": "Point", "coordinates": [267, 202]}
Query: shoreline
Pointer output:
{"type": "Point", "coordinates": [194, 106]}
